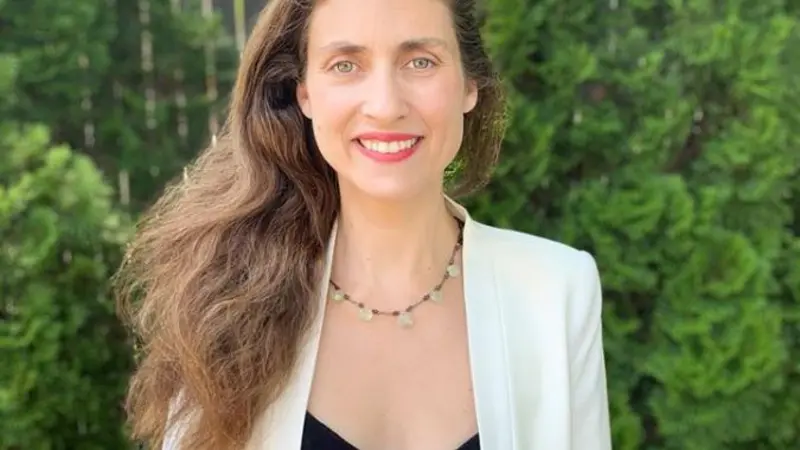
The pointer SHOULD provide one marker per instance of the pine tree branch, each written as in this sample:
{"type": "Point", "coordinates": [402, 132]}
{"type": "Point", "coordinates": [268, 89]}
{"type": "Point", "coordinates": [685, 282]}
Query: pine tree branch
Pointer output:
{"type": "Point", "coordinates": [692, 147]}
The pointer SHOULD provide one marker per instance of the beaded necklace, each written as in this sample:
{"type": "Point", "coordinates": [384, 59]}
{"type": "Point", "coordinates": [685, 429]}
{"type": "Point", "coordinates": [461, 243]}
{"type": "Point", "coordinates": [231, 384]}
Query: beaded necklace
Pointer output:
{"type": "Point", "coordinates": [404, 317]}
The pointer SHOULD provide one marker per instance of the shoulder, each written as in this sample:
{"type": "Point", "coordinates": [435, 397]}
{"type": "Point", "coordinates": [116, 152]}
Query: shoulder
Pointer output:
{"type": "Point", "coordinates": [550, 276]}
{"type": "Point", "coordinates": [511, 248]}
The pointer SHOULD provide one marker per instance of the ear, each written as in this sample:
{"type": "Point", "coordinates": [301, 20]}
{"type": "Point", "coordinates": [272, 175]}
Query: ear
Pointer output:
{"type": "Point", "coordinates": [302, 99]}
{"type": "Point", "coordinates": [470, 96]}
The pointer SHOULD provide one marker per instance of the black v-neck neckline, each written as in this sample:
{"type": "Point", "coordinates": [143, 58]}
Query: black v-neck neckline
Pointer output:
{"type": "Point", "coordinates": [319, 436]}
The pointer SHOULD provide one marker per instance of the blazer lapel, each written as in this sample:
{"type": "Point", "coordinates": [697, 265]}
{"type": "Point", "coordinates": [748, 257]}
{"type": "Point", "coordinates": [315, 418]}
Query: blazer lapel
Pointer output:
{"type": "Point", "coordinates": [486, 338]}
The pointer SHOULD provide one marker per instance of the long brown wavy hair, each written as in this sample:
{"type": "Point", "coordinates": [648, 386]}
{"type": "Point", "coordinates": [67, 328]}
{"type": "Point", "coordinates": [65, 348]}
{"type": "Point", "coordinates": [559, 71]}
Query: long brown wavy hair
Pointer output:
{"type": "Point", "coordinates": [218, 285]}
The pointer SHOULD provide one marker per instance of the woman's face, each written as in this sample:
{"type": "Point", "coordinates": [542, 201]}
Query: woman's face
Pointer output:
{"type": "Point", "coordinates": [386, 93]}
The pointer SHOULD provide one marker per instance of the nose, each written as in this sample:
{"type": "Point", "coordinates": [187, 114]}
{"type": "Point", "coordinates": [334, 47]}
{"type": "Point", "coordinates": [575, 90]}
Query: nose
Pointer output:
{"type": "Point", "coordinates": [384, 97]}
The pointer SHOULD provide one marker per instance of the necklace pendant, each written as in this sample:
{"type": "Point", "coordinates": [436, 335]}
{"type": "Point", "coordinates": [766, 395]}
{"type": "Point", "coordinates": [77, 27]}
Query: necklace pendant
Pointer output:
{"type": "Point", "coordinates": [337, 295]}
{"type": "Point", "coordinates": [365, 314]}
{"type": "Point", "coordinates": [453, 270]}
{"type": "Point", "coordinates": [436, 296]}
{"type": "Point", "coordinates": [405, 320]}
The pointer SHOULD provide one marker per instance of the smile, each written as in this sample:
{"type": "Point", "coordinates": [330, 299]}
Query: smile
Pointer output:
{"type": "Point", "coordinates": [388, 146]}
{"type": "Point", "coordinates": [388, 150]}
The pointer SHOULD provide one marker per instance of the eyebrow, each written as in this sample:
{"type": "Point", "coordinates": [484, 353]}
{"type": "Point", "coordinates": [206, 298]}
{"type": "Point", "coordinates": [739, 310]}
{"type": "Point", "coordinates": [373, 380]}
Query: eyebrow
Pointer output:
{"type": "Point", "coordinates": [349, 48]}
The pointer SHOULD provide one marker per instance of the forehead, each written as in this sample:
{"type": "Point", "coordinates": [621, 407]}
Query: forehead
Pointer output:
{"type": "Point", "coordinates": [379, 22]}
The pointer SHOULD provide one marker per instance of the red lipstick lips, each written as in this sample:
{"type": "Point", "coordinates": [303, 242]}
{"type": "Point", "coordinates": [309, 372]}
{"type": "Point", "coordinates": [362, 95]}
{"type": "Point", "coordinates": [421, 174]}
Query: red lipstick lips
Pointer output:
{"type": "Point", "coordinates": [388, 147]}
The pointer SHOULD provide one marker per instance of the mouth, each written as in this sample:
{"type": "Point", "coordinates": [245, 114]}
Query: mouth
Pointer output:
{"type": "Point", "coordinates": [389, 147]}
{"type": "Point", "coordinates": [386, 149]}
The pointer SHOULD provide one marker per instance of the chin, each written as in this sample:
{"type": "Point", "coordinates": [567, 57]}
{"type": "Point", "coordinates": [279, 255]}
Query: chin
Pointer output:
{"type": "Point", "coordinates": [393, 190]}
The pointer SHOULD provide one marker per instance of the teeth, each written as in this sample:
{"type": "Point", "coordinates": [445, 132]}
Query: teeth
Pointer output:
{"type": "Point", "coordinates": [388, 147]}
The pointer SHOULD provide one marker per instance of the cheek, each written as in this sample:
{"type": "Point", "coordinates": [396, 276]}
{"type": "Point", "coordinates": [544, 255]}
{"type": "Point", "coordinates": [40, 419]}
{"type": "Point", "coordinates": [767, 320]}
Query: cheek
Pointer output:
{"type": "Point", "coordinates": [330, 104]}
{"type": "Point", "coordinates": [441, 104]}
{"type": "Point", "coordinates": [331, 115]}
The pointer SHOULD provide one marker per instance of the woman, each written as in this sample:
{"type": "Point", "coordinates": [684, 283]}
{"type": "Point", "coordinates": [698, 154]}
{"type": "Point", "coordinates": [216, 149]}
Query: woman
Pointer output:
{"type": "Point", "coordinates": [308, 284]}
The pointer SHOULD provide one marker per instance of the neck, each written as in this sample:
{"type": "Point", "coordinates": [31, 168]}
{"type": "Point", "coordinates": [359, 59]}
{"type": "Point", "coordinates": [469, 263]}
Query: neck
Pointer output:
{"type": "Point", "coordinates": [382, 243]}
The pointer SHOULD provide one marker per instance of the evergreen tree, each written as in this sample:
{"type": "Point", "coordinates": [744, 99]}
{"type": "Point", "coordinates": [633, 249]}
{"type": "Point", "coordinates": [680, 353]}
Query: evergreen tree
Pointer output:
{"type": "Point", "coordinates": [135, 84]}
{"type": "Point", "coordinates": [663, 137]}
{"type": "Point", "coordinates": [65, 357]}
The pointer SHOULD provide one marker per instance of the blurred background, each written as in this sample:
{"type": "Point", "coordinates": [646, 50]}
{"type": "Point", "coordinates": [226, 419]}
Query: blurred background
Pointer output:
{"type": "Point", "coordinates": [661, 135]}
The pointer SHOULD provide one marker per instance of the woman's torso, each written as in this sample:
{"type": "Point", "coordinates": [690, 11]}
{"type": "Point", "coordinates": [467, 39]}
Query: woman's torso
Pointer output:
{"type": "Point", "coordinates": [533, 312]}
{"type": "Point", "coordinates": [381, 386]}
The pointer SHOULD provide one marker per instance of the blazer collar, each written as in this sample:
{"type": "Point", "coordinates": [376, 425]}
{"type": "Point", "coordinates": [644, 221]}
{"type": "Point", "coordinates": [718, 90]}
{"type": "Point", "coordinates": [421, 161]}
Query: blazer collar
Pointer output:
{"type": "Point", "coordinates": [282, 426]}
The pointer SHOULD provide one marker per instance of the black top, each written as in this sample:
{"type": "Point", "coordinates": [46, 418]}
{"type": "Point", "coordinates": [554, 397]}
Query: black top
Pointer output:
{"type": "Point", "coordinates": [317, 436]}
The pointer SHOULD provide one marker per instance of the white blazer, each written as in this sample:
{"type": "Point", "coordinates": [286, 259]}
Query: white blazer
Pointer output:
{"type": "Point", "coordinates": [535, 345]}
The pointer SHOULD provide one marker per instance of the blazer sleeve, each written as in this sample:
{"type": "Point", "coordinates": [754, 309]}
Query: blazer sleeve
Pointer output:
{"type": "Point", "coordinates": [590, 425]}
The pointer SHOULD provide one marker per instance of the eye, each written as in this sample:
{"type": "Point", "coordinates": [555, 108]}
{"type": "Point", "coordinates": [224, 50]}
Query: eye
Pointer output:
{"type": "Point", "coordinates": [421, 63]}
{"type": "Point", "coordinates": [344, 67]}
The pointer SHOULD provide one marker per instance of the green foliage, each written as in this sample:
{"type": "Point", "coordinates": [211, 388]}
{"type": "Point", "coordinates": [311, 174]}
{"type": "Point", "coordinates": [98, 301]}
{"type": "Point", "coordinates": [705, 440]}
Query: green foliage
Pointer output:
{"type": "Point", "coordinates": [110, 106]}
{"type": "Point", "coordinates": [663, 138]}
{"type": "Point", "coordinates": [65, 357]}
{"type": "Point", "coordinates": [86, 71]}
